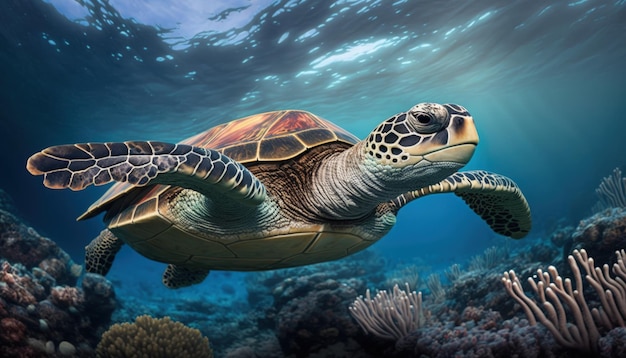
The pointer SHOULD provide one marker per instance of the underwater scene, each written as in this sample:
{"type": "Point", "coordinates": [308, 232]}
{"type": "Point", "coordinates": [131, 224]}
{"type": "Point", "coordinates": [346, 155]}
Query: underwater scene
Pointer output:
{"type": "Point", "coordinates": [408, 178]}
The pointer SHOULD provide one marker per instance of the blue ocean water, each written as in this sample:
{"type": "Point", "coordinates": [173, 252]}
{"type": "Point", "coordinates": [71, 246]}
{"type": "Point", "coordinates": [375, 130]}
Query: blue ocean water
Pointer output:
{"type": "Point", "coordinates": [544, 80]}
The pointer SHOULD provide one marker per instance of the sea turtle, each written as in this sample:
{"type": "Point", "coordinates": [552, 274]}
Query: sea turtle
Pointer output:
{"type": "Point", "coordinates": [275, 190]}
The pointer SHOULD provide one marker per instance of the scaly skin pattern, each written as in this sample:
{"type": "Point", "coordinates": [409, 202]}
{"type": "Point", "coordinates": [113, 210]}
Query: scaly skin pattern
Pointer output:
{"type": "Point", "coordinates": [494, 197]}
{"type": "Point", "coordinates": [77, 166]}
{"type": "Point", "coordinates": [408, 151]}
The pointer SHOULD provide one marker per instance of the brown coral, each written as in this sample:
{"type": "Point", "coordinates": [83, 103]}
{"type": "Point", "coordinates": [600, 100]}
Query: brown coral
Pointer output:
{"type": "Point", "coordinates": [17, 288]}
{"type": "Point", "coordinates": [67, 296]}
{"type": "Point", "coordinates": [54, 267]}
{"type": "Point", "coordinates": [11, 330]}
{"type": "Point", "coordinates": [153, 337]}
{"type": "Point", "coordinates": [22, 244]}
{"type": "Point", "coordinates": [471, 313]}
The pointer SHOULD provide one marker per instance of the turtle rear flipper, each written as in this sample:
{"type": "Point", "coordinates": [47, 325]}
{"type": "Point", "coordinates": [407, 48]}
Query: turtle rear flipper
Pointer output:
{"type": "Point", "coordinates": [100, 252]}
{"type": "Point", "coordinates": [496, 198]}
{"type": "Point", "coordinates": [176, 276]}
{"type": "Point", "coordinates": [207, 171]}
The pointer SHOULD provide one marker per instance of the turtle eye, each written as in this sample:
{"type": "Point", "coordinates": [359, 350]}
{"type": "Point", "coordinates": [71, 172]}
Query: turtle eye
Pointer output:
{"type": "Point", "coordinates": [429, 122]}
{"type": "Point", "coordinates": [423, 118]}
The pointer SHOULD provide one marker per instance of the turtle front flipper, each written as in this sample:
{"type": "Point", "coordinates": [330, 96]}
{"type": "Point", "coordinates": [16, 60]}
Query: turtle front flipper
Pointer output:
{"type": "Point", "coordinates": [77, 166]}
{"type": "Point", "coordinates": [176, 276]}
{"type": "Point", "coordinates": [496, 198]}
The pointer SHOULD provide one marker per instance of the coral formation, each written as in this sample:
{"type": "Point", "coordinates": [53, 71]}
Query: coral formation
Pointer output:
{"type": "Point", "coordinates": [22, 244]}
{"type": "Point", "coordinates": [435, 288]}
{"type": "Point", "coordinates": [556, 294]}
{"type": "Point", "coordinates": [42, 311]}
{"type": "Point", "coordinates": [12, 330]}
{"type": "Point", "coordinates": [602, 234]}
{"type": "Point", "coordinates": [65, 297]}
{"type": "Point", "coordinates": [16, 286]}
{"type": "Point", "coordinates": [312, 313]}
{"type": "Point", "coordinates": [488, 336]}
{"type": "Point", "coordinates": [390, 315]}
{"type": "Point", "coordinates": [611, 192]}
{"type": "Point", "coordinates": [153, 337]}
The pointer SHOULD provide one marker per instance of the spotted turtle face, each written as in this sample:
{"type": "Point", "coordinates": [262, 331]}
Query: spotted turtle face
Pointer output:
{"type": "Point", "coordinates": [426, 133]}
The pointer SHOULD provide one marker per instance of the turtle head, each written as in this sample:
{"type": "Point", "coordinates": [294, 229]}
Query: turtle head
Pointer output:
{"type": "Point", "coordinates": [429, 138]}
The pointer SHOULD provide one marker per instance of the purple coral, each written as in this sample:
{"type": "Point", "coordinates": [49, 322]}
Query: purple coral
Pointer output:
{"type": "Point", "coordinates": [315, 316]}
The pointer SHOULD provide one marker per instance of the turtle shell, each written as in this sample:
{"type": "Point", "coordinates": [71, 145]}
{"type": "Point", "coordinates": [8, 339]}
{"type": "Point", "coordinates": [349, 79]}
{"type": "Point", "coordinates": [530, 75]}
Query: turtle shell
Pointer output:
{"type": "Point", "coordinates": [271, 136]}
{"type": "Point", "coordinates": [265, 137]}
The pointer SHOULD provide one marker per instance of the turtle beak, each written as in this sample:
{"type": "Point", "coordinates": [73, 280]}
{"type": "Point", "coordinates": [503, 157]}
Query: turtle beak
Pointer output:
{"type": "Point", "coordinates": [454, 144]}
{"type": "Point", "coordinates": [461, 154]}
{"type": "Point", "coordinates": [462, 141]}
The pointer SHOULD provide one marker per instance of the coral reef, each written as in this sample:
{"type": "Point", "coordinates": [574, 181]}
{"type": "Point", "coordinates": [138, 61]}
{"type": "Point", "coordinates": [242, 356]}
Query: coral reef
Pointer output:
{"type": "Point", "coordinates": [153, 337]}
{"type": "Point", "coordinates": [613, 344]}
{"type": "Point", "coordinates": [312, 313]}
{"type": "Point", "coordinates": [17, 286]}
{"type": "Point", "coordinates": [482, 336]}
{"type": "Point", "coordinates": [42, 310]}
{"type": "Point", "coordinates": [22, 244]}
{"type": "Point", "coordinates": [42, 317]}
{"type": "Point", "coordinates": [602, 234]}
{"type": "Point", "coordinates": [303, 311]}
